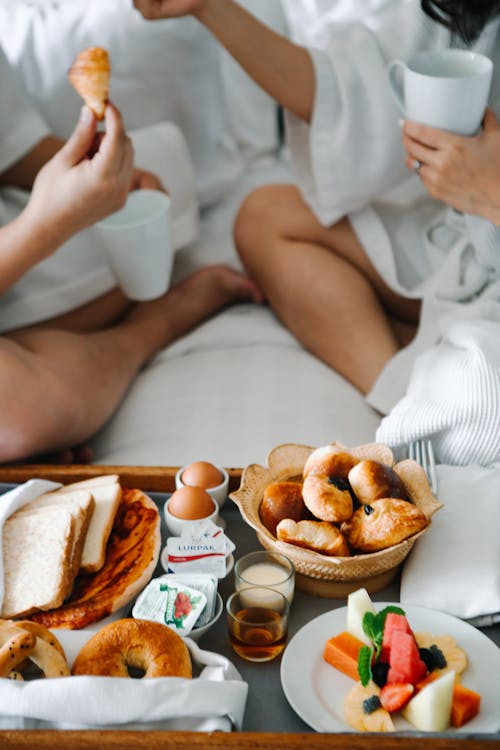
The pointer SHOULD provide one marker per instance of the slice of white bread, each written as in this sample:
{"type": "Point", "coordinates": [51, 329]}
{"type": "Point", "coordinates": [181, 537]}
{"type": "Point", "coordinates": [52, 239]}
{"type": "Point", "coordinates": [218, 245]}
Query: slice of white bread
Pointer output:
{"type": "Point", "coordinates": [81, 504]}
{"type": "Point", "coordinates": [107, 493]}
{"type": "Point", "coordinates": [37, 549]}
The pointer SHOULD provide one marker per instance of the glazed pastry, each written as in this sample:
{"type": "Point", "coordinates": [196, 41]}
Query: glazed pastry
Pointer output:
{"type": "Point", "coordinates": [371, 480]}
{"type": "Point", "coordinates": [282, 500]}
{"type": "Point", "coordinates": [328, 498]}
{"type": "Point", "coordinates": [90, 75]}
{"type": "Point", "coordinates": [331, 461]}
{"type": "Point", "coordinates": [319, 536]}
{"type": "Point", "coordinates": [382, 524]}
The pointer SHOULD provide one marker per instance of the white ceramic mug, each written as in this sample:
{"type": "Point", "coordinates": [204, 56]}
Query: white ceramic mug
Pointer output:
{"type": "Point", "coordinates": [447, 89]}
{"type": "Point", "coordinates": [138, 245]}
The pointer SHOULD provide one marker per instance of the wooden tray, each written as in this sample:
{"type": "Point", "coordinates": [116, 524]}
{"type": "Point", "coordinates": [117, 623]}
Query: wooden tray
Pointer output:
{"type": "Point", "coordinates": [162, 479]}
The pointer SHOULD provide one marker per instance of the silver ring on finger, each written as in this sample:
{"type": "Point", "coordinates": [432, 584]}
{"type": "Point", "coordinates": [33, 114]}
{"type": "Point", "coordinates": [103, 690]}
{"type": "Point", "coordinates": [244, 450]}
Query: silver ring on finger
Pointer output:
{"type": "Point", "coordinates": [417, 166]}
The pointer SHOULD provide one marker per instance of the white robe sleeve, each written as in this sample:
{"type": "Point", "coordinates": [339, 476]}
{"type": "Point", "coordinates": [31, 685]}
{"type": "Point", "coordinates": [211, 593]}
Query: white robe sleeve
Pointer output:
{"type": "Point", "coordinates": [21, 127]}
{"type": "Point", "coordinates": [352, 152]}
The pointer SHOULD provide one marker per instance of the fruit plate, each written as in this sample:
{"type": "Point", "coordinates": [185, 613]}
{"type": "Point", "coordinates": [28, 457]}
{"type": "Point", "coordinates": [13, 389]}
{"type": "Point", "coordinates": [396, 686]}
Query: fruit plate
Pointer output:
{"type": "Point", "coordinates": [316, 691]}
{"type": "Point", "coordinates": [319, 574]}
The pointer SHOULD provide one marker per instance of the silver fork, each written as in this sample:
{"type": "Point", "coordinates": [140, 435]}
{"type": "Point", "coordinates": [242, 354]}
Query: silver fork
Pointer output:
{"type": "Point", "coordinates": [422, 452]}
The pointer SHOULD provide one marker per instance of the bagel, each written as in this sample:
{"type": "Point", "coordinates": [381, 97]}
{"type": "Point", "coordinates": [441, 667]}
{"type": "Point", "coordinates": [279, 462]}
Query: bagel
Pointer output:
{"type": "Point", "coordinates": [15, 645]}
{"type": "Point", "coordinates": [128, 645]}
{"type": "Point", "coordinates": [371, 480]}
{"type": "Point", "coordinates": [46, 653]}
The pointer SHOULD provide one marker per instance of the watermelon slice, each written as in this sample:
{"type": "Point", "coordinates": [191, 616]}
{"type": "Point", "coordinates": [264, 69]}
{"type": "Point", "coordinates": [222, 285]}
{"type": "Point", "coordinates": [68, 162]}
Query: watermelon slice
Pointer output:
{"type": "Point", "coordinates": [393, 622]}
{"type": "Point", "coordinates": [405, 662]}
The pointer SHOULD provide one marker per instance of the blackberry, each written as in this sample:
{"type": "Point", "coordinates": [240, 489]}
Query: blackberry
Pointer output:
{"type": "Point", "coordinates": [439, 658]}
{"type": "Point", "coordinates": [368, 510]}
{"type": "Point", "coordinates": [379, 673]}
{"type": "Point", "coordinates": [432, 657]}
{"type": "Point", "coordinates": [371, 704]}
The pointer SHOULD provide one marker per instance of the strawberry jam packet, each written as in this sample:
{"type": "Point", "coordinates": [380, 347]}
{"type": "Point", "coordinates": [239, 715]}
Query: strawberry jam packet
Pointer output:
{"type": "Point", "coordinates": [171, 603]}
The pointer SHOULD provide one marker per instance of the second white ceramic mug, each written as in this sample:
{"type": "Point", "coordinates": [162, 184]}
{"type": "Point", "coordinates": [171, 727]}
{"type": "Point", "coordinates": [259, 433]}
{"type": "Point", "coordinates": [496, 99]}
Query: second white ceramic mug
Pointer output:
{"type": "Point", "coordinates": [138, 244]}
{"type": "Point", "coordinates": [447, 89]}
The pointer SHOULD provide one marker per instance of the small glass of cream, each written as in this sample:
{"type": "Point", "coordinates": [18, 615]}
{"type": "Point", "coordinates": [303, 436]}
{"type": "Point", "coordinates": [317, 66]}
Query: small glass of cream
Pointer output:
{"type": "Point", "coordinates": [265, 569]}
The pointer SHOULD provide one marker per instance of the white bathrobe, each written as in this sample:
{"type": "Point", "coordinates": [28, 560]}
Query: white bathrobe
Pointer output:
{"type": "Point", "coordinates": [350, 162]}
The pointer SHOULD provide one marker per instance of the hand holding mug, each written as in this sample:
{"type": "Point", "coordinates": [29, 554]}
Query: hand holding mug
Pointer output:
{"type": "Point", "coordinates": [463, 172]}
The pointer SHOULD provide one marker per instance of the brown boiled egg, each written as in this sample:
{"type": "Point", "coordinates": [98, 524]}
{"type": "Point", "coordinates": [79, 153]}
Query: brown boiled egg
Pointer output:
{"type": "Point", "coordinates": [202, 474]}
{"type": "Point", "coordinates": [191, 504]}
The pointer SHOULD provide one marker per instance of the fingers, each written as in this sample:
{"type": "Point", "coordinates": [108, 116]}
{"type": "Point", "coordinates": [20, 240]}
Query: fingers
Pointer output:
{"type": "Point", "coordinates": [115, 149]}
{"type": "Point", "coordinates": [80, 142]}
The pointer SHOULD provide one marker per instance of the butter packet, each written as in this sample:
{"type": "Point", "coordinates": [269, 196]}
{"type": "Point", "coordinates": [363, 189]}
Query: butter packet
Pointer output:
{"type": "Point", "coordinates": [171, 603]}
{"type": "Point", "coordinates": [197, 555]}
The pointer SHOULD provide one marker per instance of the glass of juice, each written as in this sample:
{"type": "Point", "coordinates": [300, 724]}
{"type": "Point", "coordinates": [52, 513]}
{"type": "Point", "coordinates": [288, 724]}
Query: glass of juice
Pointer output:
{"type": "Point", "coordinates": [265, 568]}
{"type": "Point", "coordinates": [257, 620]}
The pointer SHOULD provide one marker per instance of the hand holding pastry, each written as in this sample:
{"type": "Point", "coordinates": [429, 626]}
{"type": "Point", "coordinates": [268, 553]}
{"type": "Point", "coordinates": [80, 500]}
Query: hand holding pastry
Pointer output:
{"type": "Point", "coordinates": [83, 189]}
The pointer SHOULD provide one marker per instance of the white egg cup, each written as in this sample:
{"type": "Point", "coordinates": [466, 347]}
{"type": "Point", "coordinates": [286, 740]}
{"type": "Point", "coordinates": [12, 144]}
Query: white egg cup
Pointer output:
{"type": "Point", "coordinates": [176, 525]}
{"type": "Point", "coordinates": [218, 493]}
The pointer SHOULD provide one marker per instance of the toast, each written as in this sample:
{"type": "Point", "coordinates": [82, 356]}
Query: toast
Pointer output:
{"type": "Point", "coordinates": [81, 505]}
{"type": "Point", "coordinates": [37, 552]}
{"type": "Point", "coordinates": [107, 493]}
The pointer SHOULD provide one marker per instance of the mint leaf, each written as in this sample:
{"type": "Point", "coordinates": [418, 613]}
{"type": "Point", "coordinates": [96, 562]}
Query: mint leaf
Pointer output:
{"type": "Point", "coordinates": [365, 665]}
{"type": "Point", "coordinates": [369, 625]}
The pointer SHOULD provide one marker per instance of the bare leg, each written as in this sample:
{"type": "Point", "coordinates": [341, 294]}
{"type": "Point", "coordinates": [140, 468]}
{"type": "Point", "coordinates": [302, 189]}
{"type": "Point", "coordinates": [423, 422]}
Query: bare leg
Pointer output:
{"type": "Point", "coordinates": [321, 284]}
{"type": "Point", "coordinates": [57, 388]}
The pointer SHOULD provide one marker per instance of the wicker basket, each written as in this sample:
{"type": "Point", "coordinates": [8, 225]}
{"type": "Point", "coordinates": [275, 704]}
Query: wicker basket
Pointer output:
{"type": "Point", "coordinates": [321, 574]}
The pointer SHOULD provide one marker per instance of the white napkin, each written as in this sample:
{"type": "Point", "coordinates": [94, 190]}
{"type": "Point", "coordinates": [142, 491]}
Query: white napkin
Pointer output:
{"type": "Point", "coordinates": [455, 566]}
{"type": "Point", "coordinates": [15, 499]}
{"type": "Point", "coordinates": [453, 396]}
{"type": "Point", "coordinates": [214, 701]}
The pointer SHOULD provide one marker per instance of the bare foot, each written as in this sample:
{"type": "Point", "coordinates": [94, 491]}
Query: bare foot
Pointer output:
{"type": "Point", "coordinates": [190, 302]}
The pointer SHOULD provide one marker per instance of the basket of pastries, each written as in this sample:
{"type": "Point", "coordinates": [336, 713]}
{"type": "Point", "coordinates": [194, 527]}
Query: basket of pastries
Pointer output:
{"type": "Point", "coordinates": [346, 517]}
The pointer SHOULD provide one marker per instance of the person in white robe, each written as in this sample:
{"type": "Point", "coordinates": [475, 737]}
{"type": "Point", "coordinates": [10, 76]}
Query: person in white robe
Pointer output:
{"type": "Point", "coordinates": [67, 360]}
{"type": "Point", "coordinates": [346, 255]}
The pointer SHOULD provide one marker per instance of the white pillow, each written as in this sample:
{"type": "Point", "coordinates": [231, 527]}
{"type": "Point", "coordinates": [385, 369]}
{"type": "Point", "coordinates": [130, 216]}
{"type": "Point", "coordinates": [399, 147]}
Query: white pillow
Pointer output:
{"type": "Point", "coordinates": [161, 71]}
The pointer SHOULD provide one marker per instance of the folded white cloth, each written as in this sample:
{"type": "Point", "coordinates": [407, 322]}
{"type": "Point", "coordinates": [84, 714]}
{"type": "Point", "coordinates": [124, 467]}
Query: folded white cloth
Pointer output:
{"type": "Point", "coordinates": [453, 396]}
{"type": "Point", "coordinates": [15, 499]}
{"type": "Point", "coordinates": [214, 701]}
{"type": "Point", "coordinates": [453, 567]}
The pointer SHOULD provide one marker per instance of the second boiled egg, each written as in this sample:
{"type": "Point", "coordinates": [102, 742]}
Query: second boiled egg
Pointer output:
{"type": "Point", "coordinates": [191, 504]}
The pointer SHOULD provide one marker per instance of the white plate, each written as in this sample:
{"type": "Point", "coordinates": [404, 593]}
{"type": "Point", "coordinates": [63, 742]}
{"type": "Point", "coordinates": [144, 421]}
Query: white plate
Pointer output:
{"type": "Point", "coordinates": [316, 691]}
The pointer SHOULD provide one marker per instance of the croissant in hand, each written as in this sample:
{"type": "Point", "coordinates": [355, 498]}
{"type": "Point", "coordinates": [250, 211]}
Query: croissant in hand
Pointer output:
{"type": "Point", "coordinates": [90, 74]}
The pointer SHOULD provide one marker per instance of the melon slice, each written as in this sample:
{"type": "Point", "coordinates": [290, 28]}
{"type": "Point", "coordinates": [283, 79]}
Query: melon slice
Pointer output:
{"type": "Point", "coordinates": [358, 603]}
{"type": "Point", "coordinates": [430, 709]}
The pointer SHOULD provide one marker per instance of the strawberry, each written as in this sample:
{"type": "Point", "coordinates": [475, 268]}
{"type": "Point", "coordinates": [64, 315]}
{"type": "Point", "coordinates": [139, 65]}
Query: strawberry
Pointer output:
{"type": "Point", "coordinates": [395, 695]}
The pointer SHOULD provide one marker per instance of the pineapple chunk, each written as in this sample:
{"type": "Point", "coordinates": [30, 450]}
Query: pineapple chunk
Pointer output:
{"type": "Point", "coordinates": [356, 716]}
{"type": "Point", "coordinates": [358, 603]}
{"type": "Point", "coordinates": [430, 709]}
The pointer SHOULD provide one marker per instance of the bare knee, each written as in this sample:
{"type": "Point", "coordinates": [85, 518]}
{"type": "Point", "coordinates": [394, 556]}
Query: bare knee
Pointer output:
{"type": "Point", "coordinates": [259, 220]}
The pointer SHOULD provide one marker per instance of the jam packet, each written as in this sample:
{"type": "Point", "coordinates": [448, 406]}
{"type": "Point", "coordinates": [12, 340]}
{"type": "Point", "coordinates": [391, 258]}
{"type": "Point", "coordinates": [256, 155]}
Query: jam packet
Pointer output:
{"type": "Point", "coordinates": [171, 603]}
{"type": "Point", "coordinates": [203, 582]}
